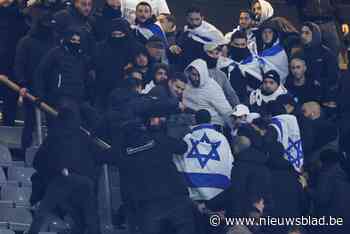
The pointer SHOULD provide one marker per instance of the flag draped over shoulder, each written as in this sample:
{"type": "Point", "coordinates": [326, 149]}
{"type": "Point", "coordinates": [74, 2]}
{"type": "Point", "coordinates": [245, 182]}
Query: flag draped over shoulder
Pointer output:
{"type": "Point", "coordinates": [149, 30]}
{"type": "Point", "coordinates": [274, 58]}
{"type": "Point", "coordinates": [206, 33]}
{"type": "Point", "coordinates": [207, 164]}
{"type": "Point", "coordinates": [289, 135]}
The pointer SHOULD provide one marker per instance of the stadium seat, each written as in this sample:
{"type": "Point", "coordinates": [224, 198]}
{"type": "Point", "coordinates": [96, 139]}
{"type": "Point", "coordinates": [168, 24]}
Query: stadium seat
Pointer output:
{"type": "Point", "coordinates": [20, 174]}
{"type": "Point", "coordinates": [5, 156]}
{"type": "Point", "coordinates": [20, 195]}
{"type": "Point", "coordinates": [19, 219]}
{"type": "Point", "coordinates": [53, 224]}
{"type": "Point", "coordinates": [6, 231]}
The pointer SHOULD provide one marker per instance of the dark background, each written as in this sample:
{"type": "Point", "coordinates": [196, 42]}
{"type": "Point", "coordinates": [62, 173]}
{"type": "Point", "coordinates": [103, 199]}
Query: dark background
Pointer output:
{"type": "Point", "coordinates": [224, 13]}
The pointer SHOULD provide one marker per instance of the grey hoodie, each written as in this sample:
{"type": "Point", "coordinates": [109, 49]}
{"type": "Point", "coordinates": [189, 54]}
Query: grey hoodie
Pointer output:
{"type": "Point", "coordinates": [209, 95]}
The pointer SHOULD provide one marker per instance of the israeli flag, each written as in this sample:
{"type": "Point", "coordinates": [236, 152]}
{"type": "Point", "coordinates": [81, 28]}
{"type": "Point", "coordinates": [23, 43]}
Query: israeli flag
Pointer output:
{"type": "Point", "coordinates": [207, 164]}
{"type": "Point", "coordinates": [206, 33]}
{"type": "Point", "coordinates": [150, 30]}
{"type": "Point", "coordinates": [289, 135]}
{"type": "Point", "coordinates": [274, 58]}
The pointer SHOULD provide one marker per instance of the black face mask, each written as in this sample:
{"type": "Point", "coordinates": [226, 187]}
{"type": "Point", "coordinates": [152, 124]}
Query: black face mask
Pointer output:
{"type": "Point", "coordinates": [211, 62]}
{"type": "Point", "coordinates": [238, 54]}
{"type": "Point", "coordinates": [117, 41]}
{"type": "Point", "coordinates": [74, 48]}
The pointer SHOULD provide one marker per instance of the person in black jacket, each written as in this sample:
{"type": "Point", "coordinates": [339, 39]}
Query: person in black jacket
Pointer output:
{"type": "Point", "coordinates": [161, 195]}
{"type": "Point", "coordinates": [288, 194]}
{"type": "Point", "coordinates": [72, 192]}
{"type": "Point", "coordinates": [77, 16]}
{"type": "Point", "coordinates": [59, 80]}
{"type": "Point", "coordinates": [331, 193]}
{"type": "Point", "coordinates": [12, 28]}
{"type": "Point", "coordinates": [328, 16]}
{"type": "Point", "coordinates": [321, 61]}
{"type": "Point", "coordinates": [251, 179]}
{"type": "Point", "coordinates": [150, 183]}
{"type": "Point", "coordinates": [30, 50]}
{"type": "Point", "coordinates": [300, 85]}
{"type": "Point", "coordinates": [178, 125]}
{"type": "Point", "coordinates": [112, 55]}
{"type": "Point", "coordinates": [104, 19]}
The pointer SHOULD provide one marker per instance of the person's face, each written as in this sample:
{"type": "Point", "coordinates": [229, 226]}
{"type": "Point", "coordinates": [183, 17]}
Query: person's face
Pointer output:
{"type": "Point", "coordinates": [177, 87]}
{"type": "Point", "coordinates": [161, 75]}
{"type": "Point", "coordinates": [215, 54]}
{"type": "Point", "coordinates": [143, 13]}
{"type": "Point", "coordinates": [155, 53]}
{"type": "Point", "coordinates": [257, 10]}
{"type": "Point", "coordinates": [239, 120]}
{"type": "Point", "coordinates": [267, 35]}
{"type": "Point", "coordinates": [269, 86]}
{"type": "Point", "coordinates": [244, 20]}
{"type": "Point", "coordinates": [194, 19]}
{"type": "Point", "coordinates": [239, 43]}
{"type": "Point", "coordinates": [142, 60]}
{"type": "Point", "coordinates": [7, 3]}
{"type": "Point", "coordinates": [306, 35]}
{"type": "Point", "coordinates": [75, 39]}
{"type": "Point", "coordinates": [84, 6]}
{"type": "Point", "coordinates": [194, 77]}
{"type": "Point", "coordinates": [307, 112]}
{"type": "Point", "coordinates": [115, 4]}
{"type": "Point", "coordinates": [118, 34]}
{"type": "Point", "coordinates": [298, 68]}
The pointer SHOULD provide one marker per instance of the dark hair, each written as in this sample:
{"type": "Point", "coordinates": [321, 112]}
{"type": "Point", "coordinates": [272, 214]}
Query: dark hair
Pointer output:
{"type": "Point", "coordinates": [144, 4]}
{"type": "Point", "coordinates": [193, 9]}
{"type": "Point", "coordinates": [155, 68]}
{"type": "Point", "coordinates": [239, 34]}
{"type": "Point", "coordinates": [129, 71]}
{"type": "Point", "coordinates": [202, 117]}
{"type": "Point", "coordinates": [248, 11]}
{"type": "Point", "coordinates": [131, 84]}
{"type": "Point", "coordinates": [178, 76]}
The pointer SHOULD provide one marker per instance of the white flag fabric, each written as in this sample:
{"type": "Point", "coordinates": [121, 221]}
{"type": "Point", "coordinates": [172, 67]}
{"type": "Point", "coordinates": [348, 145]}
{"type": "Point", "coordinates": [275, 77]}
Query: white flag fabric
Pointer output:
{"type": "Point", "coordinates": [207, 164]}
{"type": "Point", "coordinates": [206, 33]}
{"type": "Point", "coordinates": [274, 58]}
{"type": "Point", "coordinates": [289, 135]}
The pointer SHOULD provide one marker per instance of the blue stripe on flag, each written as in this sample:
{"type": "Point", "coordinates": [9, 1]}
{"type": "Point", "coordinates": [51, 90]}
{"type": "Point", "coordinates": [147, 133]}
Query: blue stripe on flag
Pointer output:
{"type": "Point", "coordinates": [198, 180]}
{"type": "Point", "coordinates": [206, 39]}
{"type": "Point", "coordinates": [272, 51]}
{"type": "Point", "coordinates": [278, 123]}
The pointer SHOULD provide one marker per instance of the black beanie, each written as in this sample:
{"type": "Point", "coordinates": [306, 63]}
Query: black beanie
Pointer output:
{"type": "Point", "coordinates": [120, 25]}
{"type": "Point", "coordinates": [272, 74]}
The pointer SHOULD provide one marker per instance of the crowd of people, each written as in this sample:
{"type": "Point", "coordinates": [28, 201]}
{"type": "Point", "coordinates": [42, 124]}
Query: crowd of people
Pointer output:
{"type": "Point", "coordinates": [251, 123]}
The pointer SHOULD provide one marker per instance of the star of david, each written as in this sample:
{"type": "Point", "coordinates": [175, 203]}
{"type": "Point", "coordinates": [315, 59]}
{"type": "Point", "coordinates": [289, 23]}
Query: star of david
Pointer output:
{"type": "Point", "coordinates": [203, 159]}
{"type": "Point", "coordinates": [297, 146]}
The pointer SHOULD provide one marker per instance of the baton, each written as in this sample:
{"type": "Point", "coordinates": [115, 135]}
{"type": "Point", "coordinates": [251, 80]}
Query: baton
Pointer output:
{"type": "Point", "coordinates": [51, 111]}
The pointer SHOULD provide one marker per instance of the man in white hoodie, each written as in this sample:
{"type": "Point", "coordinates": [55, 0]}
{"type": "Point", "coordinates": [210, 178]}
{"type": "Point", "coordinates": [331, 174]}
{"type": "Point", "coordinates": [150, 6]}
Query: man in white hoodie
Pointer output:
{"type": "Point", "coordinates": [204, 92]}
{"type": "Point", "coordinates": [263, 11]}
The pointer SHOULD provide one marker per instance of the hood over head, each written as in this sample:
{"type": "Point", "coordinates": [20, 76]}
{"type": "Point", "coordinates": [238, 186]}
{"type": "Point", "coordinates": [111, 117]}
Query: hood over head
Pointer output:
{"type": "Point", "coordinates": [201, 66]}
{"type": "Point", "coordinates": [267, 11]}
{"type": "Point", "coordinates": [316, 33]}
